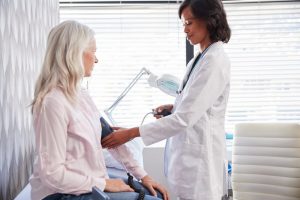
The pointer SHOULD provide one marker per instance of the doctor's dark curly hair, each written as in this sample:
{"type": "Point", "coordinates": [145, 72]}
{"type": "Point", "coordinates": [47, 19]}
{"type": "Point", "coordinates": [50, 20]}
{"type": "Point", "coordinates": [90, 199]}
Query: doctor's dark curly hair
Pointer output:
{"type": "Point", "coordinates": [212, 11]}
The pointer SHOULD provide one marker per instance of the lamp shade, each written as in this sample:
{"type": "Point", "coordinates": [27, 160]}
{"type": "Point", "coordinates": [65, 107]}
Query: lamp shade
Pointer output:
{"type": "Point", "coordinates": [167, 83]}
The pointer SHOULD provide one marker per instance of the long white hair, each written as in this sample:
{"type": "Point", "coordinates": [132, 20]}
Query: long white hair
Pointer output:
{"type": "Point", "coordinates": [63, 64]}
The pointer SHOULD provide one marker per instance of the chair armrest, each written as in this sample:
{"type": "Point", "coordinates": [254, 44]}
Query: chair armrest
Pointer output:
{"type": "Point", "coordinates": [98, 194]}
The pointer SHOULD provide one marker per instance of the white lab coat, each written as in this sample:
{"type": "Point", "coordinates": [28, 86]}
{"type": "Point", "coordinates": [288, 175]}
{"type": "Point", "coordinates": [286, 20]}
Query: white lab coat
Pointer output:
{"type": "Point", "coordinates": [195, 150]}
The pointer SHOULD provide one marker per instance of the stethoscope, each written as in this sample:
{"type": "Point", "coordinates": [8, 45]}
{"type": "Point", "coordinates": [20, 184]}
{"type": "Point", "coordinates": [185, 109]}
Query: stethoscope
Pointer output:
{"type": "Point", "coordinates": [199, 56]}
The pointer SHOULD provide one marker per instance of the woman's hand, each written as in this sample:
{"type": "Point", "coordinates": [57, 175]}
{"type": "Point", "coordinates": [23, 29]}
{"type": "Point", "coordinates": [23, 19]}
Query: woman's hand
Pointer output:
{"type": "Point", "coordinates": [159, 109]}
{"type": "Point", "coordinates": [117, 185]}
{"type": "Point", "coordinates": [151, 185]}
{"type": "Point", "coordinates": [120, 136]}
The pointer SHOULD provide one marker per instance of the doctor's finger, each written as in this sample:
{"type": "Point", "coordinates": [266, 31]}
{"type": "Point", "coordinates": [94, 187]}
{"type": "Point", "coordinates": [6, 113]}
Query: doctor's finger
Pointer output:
{"type": "Point", "coordinates": [109, 145]}
{"type": "Point", "coordinates": [107, 138]}
{"type": "Point", "coordinates": [107, 141]}
{"type": "Point", "coordinates": [157, 116]}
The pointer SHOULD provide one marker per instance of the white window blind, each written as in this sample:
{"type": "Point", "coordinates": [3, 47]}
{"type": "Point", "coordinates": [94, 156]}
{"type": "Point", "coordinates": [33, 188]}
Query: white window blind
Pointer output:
{"type": "Point", "coordinates": [130, 37]}
{"type": "Point", "coordinates": [265, 59]}
{"type": "Point", "coordinates": [264, 50]}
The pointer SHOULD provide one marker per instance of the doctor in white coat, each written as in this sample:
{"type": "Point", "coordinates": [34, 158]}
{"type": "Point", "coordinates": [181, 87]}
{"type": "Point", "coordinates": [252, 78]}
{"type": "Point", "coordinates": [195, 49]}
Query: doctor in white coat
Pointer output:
{"type": "Point", "coordinates": [195, 148]}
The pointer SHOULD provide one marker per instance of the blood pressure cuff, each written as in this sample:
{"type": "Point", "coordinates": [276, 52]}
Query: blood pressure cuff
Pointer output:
{"type": "Point", "coordinates": [106, 128]}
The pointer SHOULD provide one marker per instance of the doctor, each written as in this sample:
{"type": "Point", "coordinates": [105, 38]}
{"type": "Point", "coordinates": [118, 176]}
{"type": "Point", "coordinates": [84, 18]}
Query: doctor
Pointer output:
{"type": "Point", "coordinates": [195, 148]}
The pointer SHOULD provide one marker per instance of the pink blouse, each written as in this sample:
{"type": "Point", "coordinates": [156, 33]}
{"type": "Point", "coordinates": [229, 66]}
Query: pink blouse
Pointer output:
{"type": "Point", "coordinates": [69, 155]}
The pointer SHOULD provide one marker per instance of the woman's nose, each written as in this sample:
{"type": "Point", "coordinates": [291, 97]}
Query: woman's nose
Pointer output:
{"type": "Point", "coordinates": [186, 30]}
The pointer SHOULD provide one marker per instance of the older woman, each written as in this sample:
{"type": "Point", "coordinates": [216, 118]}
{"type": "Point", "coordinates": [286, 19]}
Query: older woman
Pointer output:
{"type": "Point", "coordinates": [67, 127]}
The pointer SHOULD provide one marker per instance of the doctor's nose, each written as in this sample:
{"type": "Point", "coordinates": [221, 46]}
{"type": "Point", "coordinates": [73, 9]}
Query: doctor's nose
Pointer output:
{"type": "Point", "coordinates": [96, 59]}
{"type": "Point", "coordinates": [186, 29]}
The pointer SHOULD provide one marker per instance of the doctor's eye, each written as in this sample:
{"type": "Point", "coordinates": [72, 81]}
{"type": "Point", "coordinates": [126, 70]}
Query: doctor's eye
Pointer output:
{"type": "Point", "coordinates": [187, 23]}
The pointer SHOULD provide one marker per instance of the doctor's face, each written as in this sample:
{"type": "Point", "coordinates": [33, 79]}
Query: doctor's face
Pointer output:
{"type": "Point", "coordinates": [89, 58]}
{"type": "Point", "coordinates": [195, 29]}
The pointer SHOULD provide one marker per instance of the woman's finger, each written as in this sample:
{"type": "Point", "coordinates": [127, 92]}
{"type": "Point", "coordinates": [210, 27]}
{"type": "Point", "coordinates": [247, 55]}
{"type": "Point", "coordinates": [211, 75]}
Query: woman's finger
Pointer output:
{"type": "Point", "coordinates": [162, 190]}
{"type": "Point", "coordinates": [151, 189]}
{"type": "Point", "coordinates": [128, 189]}
{"type": "Point", "coordinates": [166, 195]}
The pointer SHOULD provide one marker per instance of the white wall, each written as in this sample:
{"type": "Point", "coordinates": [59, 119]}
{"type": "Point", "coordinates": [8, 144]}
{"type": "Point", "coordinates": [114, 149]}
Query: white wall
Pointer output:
{"type": "Point", "coordinates": [24, 26]}
{"type": "Point", "coordinates": [154, 165]}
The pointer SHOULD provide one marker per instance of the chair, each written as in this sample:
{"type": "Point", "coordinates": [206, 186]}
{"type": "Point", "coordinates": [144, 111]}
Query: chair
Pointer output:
{"type": "Point", "coordinates": [25, 194]}
{"type": "Point", "coordinates": [266, 161]}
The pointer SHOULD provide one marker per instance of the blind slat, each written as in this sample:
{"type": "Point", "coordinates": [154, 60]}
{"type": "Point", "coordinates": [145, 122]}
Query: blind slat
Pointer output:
{"type": "Point", "coordinates": [264, 50]}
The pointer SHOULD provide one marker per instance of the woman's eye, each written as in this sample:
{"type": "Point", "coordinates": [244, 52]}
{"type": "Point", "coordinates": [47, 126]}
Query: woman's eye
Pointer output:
{"type": "Point", "coordinates": [187, 23]}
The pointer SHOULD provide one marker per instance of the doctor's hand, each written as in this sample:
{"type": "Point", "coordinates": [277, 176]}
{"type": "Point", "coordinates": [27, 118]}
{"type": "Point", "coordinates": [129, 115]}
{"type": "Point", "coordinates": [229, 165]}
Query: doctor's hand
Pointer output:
{"type": "Point", "coordinates": [119, 137]}
{"type": "Point", "coordinates": [115, 128]}
{"type": "Point", "coordinates": [151, 185]}
{"type": "Point", "coordinates": [159, 109]}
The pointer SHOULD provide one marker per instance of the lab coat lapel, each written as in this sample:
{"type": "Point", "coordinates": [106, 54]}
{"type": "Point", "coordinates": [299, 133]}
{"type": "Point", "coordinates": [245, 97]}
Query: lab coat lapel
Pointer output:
{"type": "Point", "coordinates": [188, 69]}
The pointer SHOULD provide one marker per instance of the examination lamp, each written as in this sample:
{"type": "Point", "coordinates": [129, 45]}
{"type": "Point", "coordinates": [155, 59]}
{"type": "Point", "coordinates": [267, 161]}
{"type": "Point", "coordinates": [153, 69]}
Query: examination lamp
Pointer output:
{"type": "Point", "coordinates": [167, 83]}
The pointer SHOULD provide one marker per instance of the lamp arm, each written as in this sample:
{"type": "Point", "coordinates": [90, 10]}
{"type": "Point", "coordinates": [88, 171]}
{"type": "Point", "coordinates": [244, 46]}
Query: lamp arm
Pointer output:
{"type": "Point", "coordinates": [109, 110]}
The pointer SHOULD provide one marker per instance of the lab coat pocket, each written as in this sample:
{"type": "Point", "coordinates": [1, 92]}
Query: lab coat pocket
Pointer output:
{"type": "Point", "coordinates": [192, 168]}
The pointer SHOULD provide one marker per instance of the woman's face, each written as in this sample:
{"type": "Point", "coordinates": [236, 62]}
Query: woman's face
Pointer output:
{"type": "Point", "coordinates": [194, 28]}
{"type": "Point", "coordinates": [89, 58]}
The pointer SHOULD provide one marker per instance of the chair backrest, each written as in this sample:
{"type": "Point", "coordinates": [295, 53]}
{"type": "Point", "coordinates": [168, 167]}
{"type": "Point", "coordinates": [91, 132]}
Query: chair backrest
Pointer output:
{"type": "Point", "coordinates": [266, 161]}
